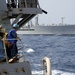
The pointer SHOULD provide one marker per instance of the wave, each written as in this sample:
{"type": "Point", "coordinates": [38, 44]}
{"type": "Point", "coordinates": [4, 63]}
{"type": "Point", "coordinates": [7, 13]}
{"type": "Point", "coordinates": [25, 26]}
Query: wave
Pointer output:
{"type": "Point", "coordinates": [37, 72]}
{"type": "Point", "coordinates": [59, 72]}
{"type": "Point", "coordinates": [54, 72]}
{"type": "Point", "coordinates": [30, 50]}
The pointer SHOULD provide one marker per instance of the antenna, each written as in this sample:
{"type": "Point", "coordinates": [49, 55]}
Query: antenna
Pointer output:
{"type": "Point", "coordinates": [62, 20]}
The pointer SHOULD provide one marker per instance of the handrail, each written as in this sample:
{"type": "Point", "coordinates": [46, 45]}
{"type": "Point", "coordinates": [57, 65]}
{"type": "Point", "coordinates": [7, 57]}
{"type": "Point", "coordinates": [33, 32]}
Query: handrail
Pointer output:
{"type": "Point", "coordinates": [22, 47]}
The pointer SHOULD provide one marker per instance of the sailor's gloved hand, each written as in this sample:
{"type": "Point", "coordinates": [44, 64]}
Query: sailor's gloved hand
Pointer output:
{"type": "Point", "coordinates": [18, 38]}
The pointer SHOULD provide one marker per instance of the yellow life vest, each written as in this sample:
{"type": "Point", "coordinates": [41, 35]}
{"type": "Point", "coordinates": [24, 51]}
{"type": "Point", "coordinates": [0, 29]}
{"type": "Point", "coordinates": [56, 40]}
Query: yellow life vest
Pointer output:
{"type": "Point", "coordinates": [5, 40]}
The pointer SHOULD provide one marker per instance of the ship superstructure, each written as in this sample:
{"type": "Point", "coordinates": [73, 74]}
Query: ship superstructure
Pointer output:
{"type": "Point", "coordinates": [20, 10]}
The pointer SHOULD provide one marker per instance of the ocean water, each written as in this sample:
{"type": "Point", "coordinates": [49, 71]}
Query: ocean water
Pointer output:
{"type": "Point", "coordinates": [60, 49]}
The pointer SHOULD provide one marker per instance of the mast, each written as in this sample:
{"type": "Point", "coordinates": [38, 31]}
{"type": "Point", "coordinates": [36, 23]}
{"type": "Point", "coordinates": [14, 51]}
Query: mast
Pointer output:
{"type": "Point", "coordinates": [36, 21]}
{"type": "Point", "coordinates": [62, 18]}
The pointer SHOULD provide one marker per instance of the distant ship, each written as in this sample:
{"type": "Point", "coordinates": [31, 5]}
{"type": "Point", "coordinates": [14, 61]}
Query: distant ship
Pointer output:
{"type": "Point", "coordinates": [61, 29]}
{"type": "Point", "coordinates": [49, 30]}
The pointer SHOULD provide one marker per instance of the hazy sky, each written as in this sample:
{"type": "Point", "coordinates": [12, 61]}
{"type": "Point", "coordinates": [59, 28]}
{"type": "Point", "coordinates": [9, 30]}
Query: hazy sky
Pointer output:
{"type": "Point", "coordinates": [57, 9]}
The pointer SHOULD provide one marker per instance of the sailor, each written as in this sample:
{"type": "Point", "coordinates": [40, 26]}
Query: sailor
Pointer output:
{"type": "Point", "coordinates": [0, 26]}
{"type": "Point", "coordinates": [12, 38]}
{"type": "Point", "coordinates": [13, 4]}
{"type": "Point", "coordinates": [2, 32]}
{"type": "Point", "coordinates": [2, 29]}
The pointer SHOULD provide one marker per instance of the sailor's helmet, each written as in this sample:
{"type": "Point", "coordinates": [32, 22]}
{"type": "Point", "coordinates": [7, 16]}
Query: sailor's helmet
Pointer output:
{"type": "Point", "coordinates": [15, 25]}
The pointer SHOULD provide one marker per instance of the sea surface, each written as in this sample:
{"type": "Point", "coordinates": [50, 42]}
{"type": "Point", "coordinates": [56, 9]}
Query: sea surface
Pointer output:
{"type": "Point", "coordinates": [60, 49]}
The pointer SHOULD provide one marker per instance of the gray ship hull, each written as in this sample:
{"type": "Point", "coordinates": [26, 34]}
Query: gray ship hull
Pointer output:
{"type": "Point", "coordinates": [50, 30]}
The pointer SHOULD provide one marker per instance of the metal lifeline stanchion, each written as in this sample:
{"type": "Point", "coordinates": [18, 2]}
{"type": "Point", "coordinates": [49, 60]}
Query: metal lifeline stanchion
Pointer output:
{"type": "Point", "coordinates": [5, 51]}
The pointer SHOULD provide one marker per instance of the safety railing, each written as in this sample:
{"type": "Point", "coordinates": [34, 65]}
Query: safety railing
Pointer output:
{"type": "Point", "coordinates": [22, 4]}
{"type": "Point", "coordinates": [5, 51]}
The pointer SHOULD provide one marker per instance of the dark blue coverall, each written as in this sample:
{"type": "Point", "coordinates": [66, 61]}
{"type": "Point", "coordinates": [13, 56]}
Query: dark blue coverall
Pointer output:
{"type": "Point", "coordinates": [12, 50]}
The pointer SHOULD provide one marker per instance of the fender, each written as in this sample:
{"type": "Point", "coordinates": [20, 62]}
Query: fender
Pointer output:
{"type": "Point", "coordinates": [47, 66]}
